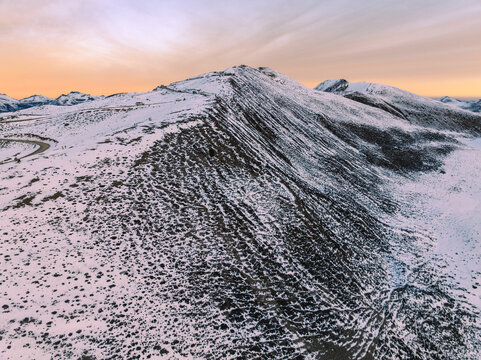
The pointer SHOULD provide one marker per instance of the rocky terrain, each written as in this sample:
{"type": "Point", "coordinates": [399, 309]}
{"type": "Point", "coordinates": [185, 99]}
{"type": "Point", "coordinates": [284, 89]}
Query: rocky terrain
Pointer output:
{"type": "Point", "coordinates": [239, 214]}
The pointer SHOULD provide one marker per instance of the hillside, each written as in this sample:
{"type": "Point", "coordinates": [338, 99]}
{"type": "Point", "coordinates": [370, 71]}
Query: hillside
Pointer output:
{"type": "Point", "coordinates": [239, 213]}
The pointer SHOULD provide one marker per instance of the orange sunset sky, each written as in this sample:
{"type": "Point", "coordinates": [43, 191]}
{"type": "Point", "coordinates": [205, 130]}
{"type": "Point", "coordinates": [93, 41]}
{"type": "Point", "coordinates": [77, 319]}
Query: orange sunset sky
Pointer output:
{"type": "Point", "coordinates": [51, 47]}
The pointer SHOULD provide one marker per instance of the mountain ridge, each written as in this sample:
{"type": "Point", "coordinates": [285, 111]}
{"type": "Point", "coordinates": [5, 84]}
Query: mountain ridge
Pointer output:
{"type": "Point", "coordinates": [8, 104]}
{"type": "Point", "coordinates": [237, 213]}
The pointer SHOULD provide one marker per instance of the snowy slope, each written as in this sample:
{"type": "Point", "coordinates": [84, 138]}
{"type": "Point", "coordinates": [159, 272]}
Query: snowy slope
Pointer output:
{"type": "Point", "coordinates": [235, 214]}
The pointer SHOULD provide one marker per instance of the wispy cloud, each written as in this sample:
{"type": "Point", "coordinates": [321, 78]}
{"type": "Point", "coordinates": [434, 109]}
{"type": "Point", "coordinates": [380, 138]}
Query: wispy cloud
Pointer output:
{"type": "Point", "coordinates": [52, 46]}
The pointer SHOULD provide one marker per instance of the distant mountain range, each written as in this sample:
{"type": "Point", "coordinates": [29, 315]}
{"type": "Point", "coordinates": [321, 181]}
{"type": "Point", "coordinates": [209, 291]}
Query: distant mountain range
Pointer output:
{"type": "Point", "coordinates": [338, 86]}
{"type": "Point", "coordinates": [8, 104]}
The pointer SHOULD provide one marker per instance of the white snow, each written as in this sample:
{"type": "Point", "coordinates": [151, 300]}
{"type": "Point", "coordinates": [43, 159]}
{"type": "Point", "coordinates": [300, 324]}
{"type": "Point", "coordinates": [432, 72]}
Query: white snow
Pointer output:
{"type": "Point", "coordinates": [51, 269]}
{"type": "Point", "coordinates": [447, 207]}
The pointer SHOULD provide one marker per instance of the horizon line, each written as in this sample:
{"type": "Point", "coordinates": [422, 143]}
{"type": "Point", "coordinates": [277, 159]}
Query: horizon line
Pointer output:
{"type": "Point", "coordinates": [309, 85]}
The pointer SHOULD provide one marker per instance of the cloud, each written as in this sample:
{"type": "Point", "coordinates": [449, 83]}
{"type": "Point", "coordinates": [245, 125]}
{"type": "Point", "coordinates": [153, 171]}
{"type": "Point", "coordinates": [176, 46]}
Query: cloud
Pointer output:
{"type": "Point", "coordinates": [135, 44]}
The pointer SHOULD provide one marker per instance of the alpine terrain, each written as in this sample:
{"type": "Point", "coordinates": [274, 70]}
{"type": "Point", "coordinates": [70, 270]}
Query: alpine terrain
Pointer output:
{"type": "Point", "coordinates": [240, 215]}
{"type": "Point", "coordinates": [8, 104]}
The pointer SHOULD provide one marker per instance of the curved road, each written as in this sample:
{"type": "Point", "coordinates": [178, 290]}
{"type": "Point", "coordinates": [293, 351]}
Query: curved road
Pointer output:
{"type": "Point", "coordinates": [42, 146]}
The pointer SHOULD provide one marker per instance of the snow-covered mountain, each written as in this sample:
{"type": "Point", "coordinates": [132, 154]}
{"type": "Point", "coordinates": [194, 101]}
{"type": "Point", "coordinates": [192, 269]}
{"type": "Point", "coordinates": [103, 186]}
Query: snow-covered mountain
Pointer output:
{"type": "Point", "coordinates": [239, 214]}
{"type": "Point", "coordinates": [73, 98]}
{"type": "Point", "coordinates": [8, 104]}
{"type": "Point", "coordinates": [34, 100]}
{"type": "Point", "coordinates": [470, 105]}
{"type": "Point", "coordinates": [414, 108]}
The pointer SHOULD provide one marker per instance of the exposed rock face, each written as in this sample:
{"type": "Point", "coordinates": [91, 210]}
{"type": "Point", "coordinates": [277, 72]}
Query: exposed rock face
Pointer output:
{"type": "Point", "coordinates": [235, 214]}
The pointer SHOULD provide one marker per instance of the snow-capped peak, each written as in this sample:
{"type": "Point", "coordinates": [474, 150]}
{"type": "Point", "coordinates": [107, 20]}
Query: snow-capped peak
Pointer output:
{"type": "Point", "coordinates": [5, 97]}
{"type": "Point", "coordinates": [447, 99]}
{"type": "Point", "coordinates": [73, 98]}
{"type": "Point", "coordinates": [7, 103]}
{"type": "Point", "coordinates": [333, 85]}
{"type": "Point", "coordinates": [344, 86]}
{"type": "Point", "coordinates": [36, 99]}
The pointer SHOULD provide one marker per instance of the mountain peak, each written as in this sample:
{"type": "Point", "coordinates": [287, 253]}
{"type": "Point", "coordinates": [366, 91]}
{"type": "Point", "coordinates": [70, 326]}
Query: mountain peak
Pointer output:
{"type": "Point", "coordinates": [448, 99]}
{"type": "Point", "coordinates": [36, 98]}
{"type": "Point", "coordinates": [73, 98]}
{"type": "Point", "coordinates": [333, 85]}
